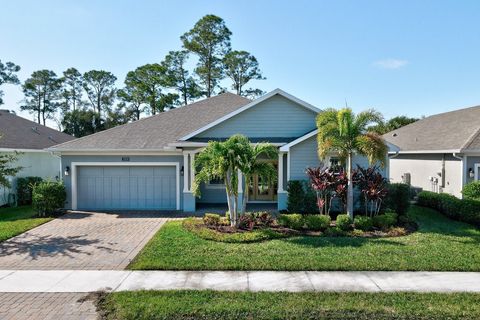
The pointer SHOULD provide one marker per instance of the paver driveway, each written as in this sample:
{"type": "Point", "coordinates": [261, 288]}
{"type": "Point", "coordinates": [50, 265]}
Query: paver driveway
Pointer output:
{"type": "Point", "coordinates": [82, 240]}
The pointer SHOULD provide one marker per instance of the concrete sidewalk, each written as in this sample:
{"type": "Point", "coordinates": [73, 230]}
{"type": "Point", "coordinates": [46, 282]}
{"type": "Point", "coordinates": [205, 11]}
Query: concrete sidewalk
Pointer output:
{"type": "Point", "coordinates": [90, 280]}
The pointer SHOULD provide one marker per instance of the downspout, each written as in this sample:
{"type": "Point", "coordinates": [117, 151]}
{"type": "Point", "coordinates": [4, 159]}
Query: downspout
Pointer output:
{"type": "Point", "coordinates": [443, 172]}
{"type": "Point", "coordinates": [463, 172]}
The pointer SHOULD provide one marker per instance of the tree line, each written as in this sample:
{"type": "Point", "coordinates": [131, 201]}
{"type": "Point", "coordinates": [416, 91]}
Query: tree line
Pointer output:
{"type": "Point", "coordinates": [89, 102]}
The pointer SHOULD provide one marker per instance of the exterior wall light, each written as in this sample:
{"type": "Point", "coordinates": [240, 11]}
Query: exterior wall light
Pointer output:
{"type": "Point", "coordinates": [67, 170]}
{"type": "Point", "coordinates": [182, 171]}
{"type": "Point", "coordinates": [471, 173]}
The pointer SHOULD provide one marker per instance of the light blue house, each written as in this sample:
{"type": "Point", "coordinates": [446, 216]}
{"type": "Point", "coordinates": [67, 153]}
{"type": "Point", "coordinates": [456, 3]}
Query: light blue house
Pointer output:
{"type": "Point", "coordinates": [148, 164]}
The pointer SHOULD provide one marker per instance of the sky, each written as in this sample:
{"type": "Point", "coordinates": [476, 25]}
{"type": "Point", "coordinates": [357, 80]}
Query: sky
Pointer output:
{"type": "Point", "coordinates": [404, 57]}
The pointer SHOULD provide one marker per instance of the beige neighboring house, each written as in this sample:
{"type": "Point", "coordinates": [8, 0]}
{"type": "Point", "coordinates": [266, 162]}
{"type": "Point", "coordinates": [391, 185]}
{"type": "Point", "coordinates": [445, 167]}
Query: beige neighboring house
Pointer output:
{"type": "Point", "coordinates": [29, 139]}
{"type": "Point", "coordinates": [440, 153]}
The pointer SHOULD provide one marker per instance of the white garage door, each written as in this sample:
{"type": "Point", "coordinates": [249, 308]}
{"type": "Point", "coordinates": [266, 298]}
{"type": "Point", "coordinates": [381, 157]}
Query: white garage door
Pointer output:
{"type": "Point", "coordinates": [126, 187]}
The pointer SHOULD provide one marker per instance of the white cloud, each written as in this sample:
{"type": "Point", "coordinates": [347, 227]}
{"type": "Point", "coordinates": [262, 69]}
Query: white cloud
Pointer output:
{"type": "Point", "coordinates": [390, 63]}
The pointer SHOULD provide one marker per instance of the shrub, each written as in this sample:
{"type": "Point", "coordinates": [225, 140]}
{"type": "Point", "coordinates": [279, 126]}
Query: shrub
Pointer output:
{"type": "Point", "coordinates": [48, 196]}
{"type": "Point", "coordinates": [385, 221]}
{"type": "Point", "coordinates": [317, 222]}
{"type": "Point", "coordinates": [24, 189]}
{"type": "Point", "coordinates": [263, 219]}
{"type": "Point", "coordinates": [246, 221]}
{"type": "Point", "coordinates": [293, 221]}
{"type": "Point", "coordinates": [211, 219]}
{"type": "Point", "coordinates": [472, 190]}
{"type": "Point", "coordinates": [334, 232]}
{"type": "Point", "coordinates": [344, 222]}
{"type": "Point", "coordinates": [398, 198]}
{"type": "Point", "coordinates": [310, 201]}
{"type": "Point", "coordinates": [296, 196]}
{"type": "Point", "coordinates": [363, 223]}
{"type": "Point", "coordinates": [466, 210]}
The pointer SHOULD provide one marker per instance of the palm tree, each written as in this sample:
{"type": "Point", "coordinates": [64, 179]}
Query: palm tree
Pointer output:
{"type": "Point", "coordinates": [223, 160]}
{"type": "Point", "coordinates": [251, 164]}
{"type": "Point", "coordinates": [345, 133]}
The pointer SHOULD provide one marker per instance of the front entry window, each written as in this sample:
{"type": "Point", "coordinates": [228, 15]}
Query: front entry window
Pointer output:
{"type": "Point", "coordinates": [261, 189]}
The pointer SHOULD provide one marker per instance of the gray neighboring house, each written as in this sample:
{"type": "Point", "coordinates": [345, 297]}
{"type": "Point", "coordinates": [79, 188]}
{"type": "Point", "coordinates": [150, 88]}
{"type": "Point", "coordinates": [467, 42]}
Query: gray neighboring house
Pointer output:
{"type": "Point", "coordinates": [148, 164]}
{"type": "Point", "coordinates": [440, 153]}
{"type": "Point", "coordinates": [29, 139]}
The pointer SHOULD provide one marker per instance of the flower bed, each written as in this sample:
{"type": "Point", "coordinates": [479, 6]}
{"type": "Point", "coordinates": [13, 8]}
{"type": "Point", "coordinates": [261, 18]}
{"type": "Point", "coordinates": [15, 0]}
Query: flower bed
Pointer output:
{"type": "Point", "coordinates": [261, 226]}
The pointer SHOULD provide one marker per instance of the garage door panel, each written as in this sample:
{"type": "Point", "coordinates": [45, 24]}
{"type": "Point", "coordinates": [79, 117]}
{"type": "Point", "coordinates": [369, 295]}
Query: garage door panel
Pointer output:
{"type": "Point", "coordinates": [121, 187]}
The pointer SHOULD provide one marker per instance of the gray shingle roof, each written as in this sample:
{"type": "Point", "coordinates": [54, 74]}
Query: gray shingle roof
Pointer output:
{"type": "Point", "coordinates": [20, 133]}
{"type": "Point", "coordinates": [455, 130]}
{"type": "Point", "coordinates": [156, 132]}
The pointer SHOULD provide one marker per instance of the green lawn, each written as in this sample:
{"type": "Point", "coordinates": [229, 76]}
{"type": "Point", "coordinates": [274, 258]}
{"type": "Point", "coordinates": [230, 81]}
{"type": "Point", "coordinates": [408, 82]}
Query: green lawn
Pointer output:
{"type": "Point", "coordinates": [14, 221]}
{"type": "Point", "coordinates": [439, 244]}
{"type": "Point", "coordinates": [151, 305]}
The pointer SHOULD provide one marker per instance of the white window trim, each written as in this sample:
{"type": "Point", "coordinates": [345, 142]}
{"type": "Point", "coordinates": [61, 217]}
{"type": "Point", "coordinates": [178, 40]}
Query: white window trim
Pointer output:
{"type": "Point", "coordinates": [74, 166]}
{"type": "Point", "coordinates": [476, 166]}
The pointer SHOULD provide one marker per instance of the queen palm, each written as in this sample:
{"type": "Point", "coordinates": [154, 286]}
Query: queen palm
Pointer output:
{"type": "Point", "coordinates": [345, 133]}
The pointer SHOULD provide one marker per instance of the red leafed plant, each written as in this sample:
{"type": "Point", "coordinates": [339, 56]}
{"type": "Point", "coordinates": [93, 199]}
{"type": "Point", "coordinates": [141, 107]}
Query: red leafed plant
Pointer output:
{"type": "Point", "coordinates": [323, 182]}
{"type": "Point", "coordinates": [373, 187]}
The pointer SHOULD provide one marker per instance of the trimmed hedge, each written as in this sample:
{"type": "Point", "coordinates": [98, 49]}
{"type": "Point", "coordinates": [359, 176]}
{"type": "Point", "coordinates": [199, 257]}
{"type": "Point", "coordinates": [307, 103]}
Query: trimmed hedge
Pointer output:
{"type": "Point", "coordinates": [472, 190]}
{"type": "Point", "coordinates": [398, 198]}
{"type": "Point", "coordinates": [24, 189]}
{"type": "Point", "coordinates": [466, 210]}
{"type": "Point", "coordinates": [48, 196]}
{"type": "Point", "coordinates": [293, 221]}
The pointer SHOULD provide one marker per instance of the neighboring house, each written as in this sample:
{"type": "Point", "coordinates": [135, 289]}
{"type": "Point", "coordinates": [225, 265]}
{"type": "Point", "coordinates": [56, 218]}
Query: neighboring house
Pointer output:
{"type": "Point", "coordinates": [440, 153]}
{"type": "Point", "coordinates": [29, 139]}
{"type": "Point", "coordinates": [147, 164]}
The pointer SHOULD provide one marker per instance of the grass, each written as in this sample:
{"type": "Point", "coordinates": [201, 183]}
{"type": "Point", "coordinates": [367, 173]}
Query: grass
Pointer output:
{"type": "Point", "coordinates": [14, 221]}
{"type": "Point", "coordinates": [440, 244]}
{"type": "Point", "coordinates": [151, 305]}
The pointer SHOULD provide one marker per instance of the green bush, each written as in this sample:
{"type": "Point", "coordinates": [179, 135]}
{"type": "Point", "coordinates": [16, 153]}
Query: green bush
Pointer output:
{"type": "Point", "coordinates": [466, 210]}
{"type": "Point", "coordinates": [398, 198]}
{"type": "Point", "coordinates": [48, 196]}
{"type": "Point", "coordinates": [385, 221]}
{"type": "Point", "coordinates": [317, 222]}
{"type": "Point", "coordinates": [472, 190]}
{"type": "Point", "coordinates": [335, 232]}
{"type": "Point", "coordinates": [296, 196]}
{"type": "Point", "coordinates": [211, 219]}
{"type": "Point", "coordinates": [24, 189]}
{"type": "Point", "coordinates": [363, 223]}
{"type": "Point", "coordinates": [310, 201]}
{"type": "Point", "coordinates": [293, 221]}
{"type": "Point", "coordinates": [344, 222]}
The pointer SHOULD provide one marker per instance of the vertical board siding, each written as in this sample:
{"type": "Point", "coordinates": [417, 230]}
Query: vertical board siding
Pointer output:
{"type": "Point", "coordinates": [126, 188]}
{"type": "Point", "coordinates": [275, 117]}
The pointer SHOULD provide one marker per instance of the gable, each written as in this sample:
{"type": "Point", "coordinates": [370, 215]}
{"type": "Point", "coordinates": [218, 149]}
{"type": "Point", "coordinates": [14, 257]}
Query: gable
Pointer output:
{"type": "Point", "coordinates": [276, 117]}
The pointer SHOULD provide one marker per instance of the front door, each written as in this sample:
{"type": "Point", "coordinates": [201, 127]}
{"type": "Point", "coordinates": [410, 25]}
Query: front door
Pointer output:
{"type": "Point", "coordinates": [261, 189]}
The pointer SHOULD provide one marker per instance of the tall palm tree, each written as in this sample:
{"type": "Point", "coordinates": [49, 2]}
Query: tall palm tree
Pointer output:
{"type": "Point", "coordinates": [345, 133]}
{"type": "Point", "coordinates": [223, 160]}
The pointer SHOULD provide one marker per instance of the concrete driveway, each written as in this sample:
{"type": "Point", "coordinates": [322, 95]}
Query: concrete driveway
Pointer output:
{"type": "Point", "coordinates": [82, 240]}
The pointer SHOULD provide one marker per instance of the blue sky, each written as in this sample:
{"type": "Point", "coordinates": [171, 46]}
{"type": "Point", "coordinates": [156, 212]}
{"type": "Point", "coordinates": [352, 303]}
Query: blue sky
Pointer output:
{"type": "Point", "coordinates": [401, 57]}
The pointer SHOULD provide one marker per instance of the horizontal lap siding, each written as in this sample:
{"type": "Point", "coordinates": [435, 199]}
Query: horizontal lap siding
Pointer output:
{"type": "Point", "coordinates": [275, 117]}
{"type": "Point", "coordinates": [303, 156]}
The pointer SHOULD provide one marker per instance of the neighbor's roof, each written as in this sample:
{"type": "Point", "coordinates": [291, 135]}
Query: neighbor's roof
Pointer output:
{"type": "Point", "coordinates": [156, 132]}
{"type": "Point", "coordinates": [455, 131]}
{"type": "Point", "coordinates": [19, 133]}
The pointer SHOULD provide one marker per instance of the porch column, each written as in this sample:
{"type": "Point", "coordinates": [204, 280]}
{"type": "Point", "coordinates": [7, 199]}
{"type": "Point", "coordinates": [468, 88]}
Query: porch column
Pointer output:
{"type": "Point", "coordinates": [185, 172]}
{"type": "Point", "coordinates": [192, 170]}
{"type": "Point", "coordinates": [188, 197]}
{"type": "Point", "coordinates": [280, 172]}
{"type": "Point", "coordinates": [282, 194]}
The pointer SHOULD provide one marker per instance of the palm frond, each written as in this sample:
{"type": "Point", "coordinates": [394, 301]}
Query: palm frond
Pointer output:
{"type": "Point", "coordinates": [373, 147]}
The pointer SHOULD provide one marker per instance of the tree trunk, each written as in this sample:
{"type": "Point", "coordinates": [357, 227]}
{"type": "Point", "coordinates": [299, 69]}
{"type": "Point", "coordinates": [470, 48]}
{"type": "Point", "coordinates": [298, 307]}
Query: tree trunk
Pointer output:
{"type": "Point", "coordinates": [349, 186]}
{"type": "Point", "coordinates": [245, 194]}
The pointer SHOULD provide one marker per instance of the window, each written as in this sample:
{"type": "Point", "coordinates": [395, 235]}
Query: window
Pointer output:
{"type": "Point", "coordinates": [335, 164]}
{"type": "Point", "coordinates": [216, 183]}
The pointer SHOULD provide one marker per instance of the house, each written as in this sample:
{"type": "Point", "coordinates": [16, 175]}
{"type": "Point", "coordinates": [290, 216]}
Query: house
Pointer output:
{"type": "Point", "coordinates": [29, 139]}
{"type": "Point", "coordinates": [148, 164]}
{"type": "Point", "coordinates": [440, 153]}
